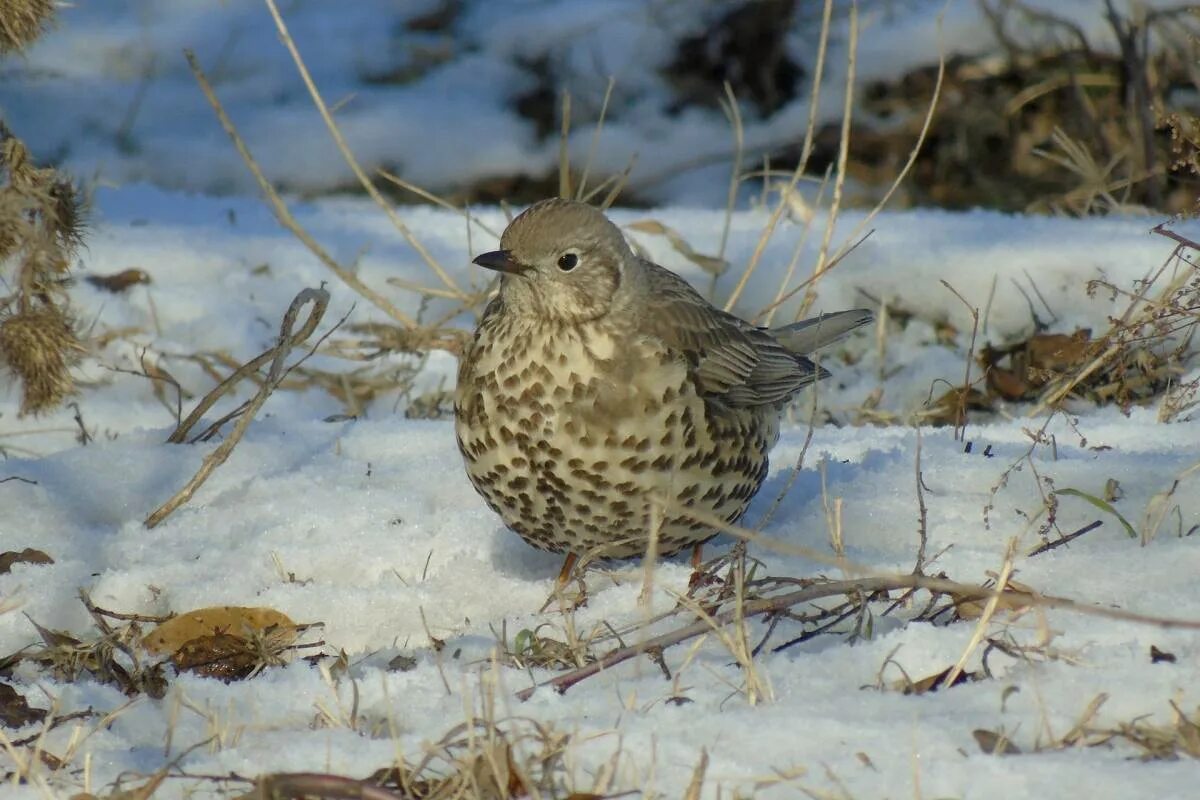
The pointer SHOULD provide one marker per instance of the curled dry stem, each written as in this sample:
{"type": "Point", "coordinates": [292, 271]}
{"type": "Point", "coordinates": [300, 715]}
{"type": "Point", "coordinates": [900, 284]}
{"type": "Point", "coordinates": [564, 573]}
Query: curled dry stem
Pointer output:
{"type": "Point", "coordinates": [278, 355]}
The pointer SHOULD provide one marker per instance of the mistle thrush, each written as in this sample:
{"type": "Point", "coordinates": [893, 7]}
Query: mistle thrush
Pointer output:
{"type": "Point", "coordinates": [597, 381]}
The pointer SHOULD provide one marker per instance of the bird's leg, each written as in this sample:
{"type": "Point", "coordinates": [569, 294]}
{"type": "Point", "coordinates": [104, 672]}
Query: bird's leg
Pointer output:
{"type": "Point", "coordinates": [560, 584]}
{"type": "Point", "coordinates": [697, 577]}
{"type": "Point", "coordinates": [564, 574]}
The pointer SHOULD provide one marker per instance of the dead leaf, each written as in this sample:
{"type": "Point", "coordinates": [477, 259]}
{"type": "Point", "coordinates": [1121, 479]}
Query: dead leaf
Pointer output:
{"type": "Point", "coordinates": [120, 281]}
{"type": "Point", "coordinates": [1014, 599]}
{"type": "Point", "coordinates": [995, 743]}
{"type": "Point", "coordinates": [933, 682]}
{"type": "Point", "coordinates": [1007, 383]}
{"type": "Point", "coordinates": [220, 655]}
{"type": "Point", "coordinates": [15, 712]}
{"type": "Point", "coordinates": [1161, 656]}
{"type": "Point", "coordinates": [952, 407]}
{"type": "Point", "coordinates": [26, 556]}
{"type": "Point", "coordinates": [1060, 352]}
{"type": "Point", "coordinates": [238, 621]}
{"type": "Point", "coordinates": [1033, 363]}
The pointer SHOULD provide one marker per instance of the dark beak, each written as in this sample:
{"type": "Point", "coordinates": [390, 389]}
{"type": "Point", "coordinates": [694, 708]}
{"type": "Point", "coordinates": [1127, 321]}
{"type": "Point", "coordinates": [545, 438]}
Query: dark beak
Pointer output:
{"type": "Point", "coordinates": [501, 261]}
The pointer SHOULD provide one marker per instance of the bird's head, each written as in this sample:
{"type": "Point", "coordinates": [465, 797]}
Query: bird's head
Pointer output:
{"type": "Point", "coordinates": [562, 260]}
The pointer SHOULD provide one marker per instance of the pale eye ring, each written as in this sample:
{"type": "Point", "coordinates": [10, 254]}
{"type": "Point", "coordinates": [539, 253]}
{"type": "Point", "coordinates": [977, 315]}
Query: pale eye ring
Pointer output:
{"type": "Point", "coordinates": [568, 262]}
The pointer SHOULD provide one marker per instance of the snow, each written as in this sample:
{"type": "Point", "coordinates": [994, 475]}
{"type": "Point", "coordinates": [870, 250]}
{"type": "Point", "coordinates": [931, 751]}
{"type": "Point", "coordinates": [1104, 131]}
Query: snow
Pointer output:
{"type": "Point", "coordinates": [369, 525]}
{"type": "Point", "coordinates": [110, 94]}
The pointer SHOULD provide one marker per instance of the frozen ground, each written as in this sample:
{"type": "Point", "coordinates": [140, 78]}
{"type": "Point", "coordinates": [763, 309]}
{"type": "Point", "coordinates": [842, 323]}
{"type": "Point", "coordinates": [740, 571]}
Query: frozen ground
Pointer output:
{"type": "Point", "coordinates": [374, 520]}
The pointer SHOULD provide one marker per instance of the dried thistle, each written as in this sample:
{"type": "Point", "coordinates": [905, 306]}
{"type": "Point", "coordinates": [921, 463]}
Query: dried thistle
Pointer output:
{"type": "Point", "coordinates": [39, 346]}
{"type": "Point", "coordinates": [41, 227]}
{"type": "Point", "coordinates": [22, 21]}
{"type": "Point", "coordinates": [41, 215]}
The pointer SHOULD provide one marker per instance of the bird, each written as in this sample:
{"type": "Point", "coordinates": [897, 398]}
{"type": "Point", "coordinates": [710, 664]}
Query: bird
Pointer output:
{"type": "Point", "coordinates": [598, 383]}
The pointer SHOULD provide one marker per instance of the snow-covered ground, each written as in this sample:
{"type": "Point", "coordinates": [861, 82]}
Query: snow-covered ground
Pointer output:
{"type": "Point", "coordinates": [110, 94]}
{"type": "Point", "coordinates": [370, 526]}
{"type": "Point", "coordinates": [367, 524]}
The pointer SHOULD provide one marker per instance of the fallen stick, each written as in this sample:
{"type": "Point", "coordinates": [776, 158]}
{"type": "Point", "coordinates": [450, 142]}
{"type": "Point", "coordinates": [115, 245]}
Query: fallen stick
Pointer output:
{"type": "Point", "coordinates": [866, 586]}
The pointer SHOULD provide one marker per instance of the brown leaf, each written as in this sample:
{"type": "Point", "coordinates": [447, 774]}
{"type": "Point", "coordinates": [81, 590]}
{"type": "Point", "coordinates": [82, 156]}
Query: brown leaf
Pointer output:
{"type": "Point", "coordinates": [26, 556]}
{"type": "Point", "coordinates": [933, 682]}
{"type": "Point", "coordinates": [15, 712]}
{"type": "Point", "coordinates": [1008, 384]}
{"type": "Point", "coordinates": [1014, 598]}
{"type": "Point", "coordinates": [1060, 352]}
{"type": "Point", "coordinates": [220, 655]}
{"type": "Point", "coordinates": [995, 743]}
{"type": "Point", "coordinates": [170, 636]}
{"type": "Point", "coordinates": [1160, 656]}
{"type": "Point", "coordinates": [951, 407]}
{"type": "Point", "coordinates": [54, 638]}
{"type": "Point", "coordinates": [120, 281]}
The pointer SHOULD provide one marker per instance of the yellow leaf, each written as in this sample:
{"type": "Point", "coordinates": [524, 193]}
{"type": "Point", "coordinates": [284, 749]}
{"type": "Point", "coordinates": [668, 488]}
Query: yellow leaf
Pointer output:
{"type": "Point", "coordinates": [235, 620]}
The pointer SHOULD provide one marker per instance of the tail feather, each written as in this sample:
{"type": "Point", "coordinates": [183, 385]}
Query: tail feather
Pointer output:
{"type": "Point", "coordinates": [813, 334]}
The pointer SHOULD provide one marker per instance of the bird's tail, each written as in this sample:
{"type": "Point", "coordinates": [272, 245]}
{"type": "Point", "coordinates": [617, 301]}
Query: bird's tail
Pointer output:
{"type": "Point", "coordinates": [815, 333]}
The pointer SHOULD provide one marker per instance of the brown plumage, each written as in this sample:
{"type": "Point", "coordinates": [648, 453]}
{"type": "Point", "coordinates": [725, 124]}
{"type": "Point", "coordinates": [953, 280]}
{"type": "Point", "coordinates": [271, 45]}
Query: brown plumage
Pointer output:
{"type": "Point", "coordinates": [597, 379]}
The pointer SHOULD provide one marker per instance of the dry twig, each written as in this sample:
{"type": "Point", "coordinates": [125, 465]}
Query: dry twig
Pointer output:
{"type": "Point", "coordinates": [278, 355]}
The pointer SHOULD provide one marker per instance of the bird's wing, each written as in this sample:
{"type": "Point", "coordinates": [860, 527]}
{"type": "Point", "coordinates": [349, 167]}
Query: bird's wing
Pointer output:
{"type": "Point", "coordinates": [811, 334]}
{"type": "Point", "coordinates": [729, 358]}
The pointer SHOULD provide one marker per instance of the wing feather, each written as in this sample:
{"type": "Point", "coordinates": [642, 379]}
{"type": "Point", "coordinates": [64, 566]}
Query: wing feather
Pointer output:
{"type": "Point", "coordinates": [729, 358]}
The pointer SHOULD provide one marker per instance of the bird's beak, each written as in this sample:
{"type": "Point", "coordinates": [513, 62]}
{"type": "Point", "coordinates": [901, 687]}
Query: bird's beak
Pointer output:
{"type": "Point", "coordinates": [501, 261]}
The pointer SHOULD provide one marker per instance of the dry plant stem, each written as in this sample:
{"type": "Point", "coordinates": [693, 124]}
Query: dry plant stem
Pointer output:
{"type": "Point", "coordinates": [922, 512]}
{"type": "Point", "coordinates": [861, 586]}
{"type": "Point", "coordinates": [763, 239]}
{"type": "Point", "coordinates": [613, 183]}
{"type": "Point", "coordinates": [989, 610]}
{"type": "Point", "coordinates": [591, 153]}
{"type": "Point", "coordinates": [912, 158]}
{"type": "Point", "coordinates": [315, 784]}
{"type": "Point", "coordinates": [281, 211]}
{"type": "Point", "coordinates": [801, 165]}
{"type": "Point", "coordinates": [1070, 537]}
{"type": "Point", "coordinates": [619, 182]}
{"type": "Point", "coordinates": [425, 194]}
{"type": "Point", "coordinates": [794, 474]}
{"type": "Point", "coordinates": [564, 158]}
{"type": "Point", "coordinates": [783, 298]}
{"type": "Point", "coordinates": [1059, 392]}
{"type": "Point", "coordinates": [933, 584]}
{"type": "Point", "coordinates": [735, 175]}
{"type": "Point", "coordinates": [320, 300]}
{"type": "Point", "coordinates": [650, 560]}
{"type": "Point", "coordinates": [1158, 507]}
{"type": "Point", "coordinates": [797, 252]}
{"type": "Point", "coordinates": [839, 181]}
{"type": "Point", "coordinates": [697, 783]}
{"type": "Point", "coordinates": [960, 429]}
{"type": "Point", "coordinates": [180, 434]}
{"type": "Point", "coordinates": [336, 133]}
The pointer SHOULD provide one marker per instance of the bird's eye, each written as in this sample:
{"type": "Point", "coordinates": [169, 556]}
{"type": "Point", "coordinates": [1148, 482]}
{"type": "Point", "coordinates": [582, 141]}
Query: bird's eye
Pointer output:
{"type": "Point", "coordinates": [568, 262]}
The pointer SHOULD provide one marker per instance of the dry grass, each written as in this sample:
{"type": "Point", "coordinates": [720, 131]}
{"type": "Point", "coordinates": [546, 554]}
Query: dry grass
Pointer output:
{"type": "Point", "coordinates": [1071, 122]}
